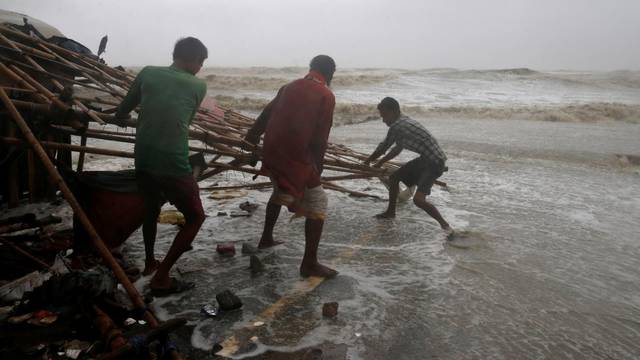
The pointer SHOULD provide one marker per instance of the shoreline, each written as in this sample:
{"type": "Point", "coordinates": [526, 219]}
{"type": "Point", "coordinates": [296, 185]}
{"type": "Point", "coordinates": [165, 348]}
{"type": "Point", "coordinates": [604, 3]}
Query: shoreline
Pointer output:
{"type": "Point", "coordinates": [349, 114]}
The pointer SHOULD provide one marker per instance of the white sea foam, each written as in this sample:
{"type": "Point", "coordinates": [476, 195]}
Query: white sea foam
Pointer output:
{"type": "Point", "coordinates": [468, 94]}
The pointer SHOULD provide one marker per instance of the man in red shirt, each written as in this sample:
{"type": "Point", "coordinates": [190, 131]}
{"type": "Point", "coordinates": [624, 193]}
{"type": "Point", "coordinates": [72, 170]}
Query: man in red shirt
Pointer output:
{"type": "Point", "coordinates": [296, 124]}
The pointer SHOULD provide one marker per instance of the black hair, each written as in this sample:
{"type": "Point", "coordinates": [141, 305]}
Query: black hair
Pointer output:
{"type": "Point", "coordinates": [190, 49]}
{"type": "Point", "coordinates": [323, 64]}
{"type": "Point", "coordinates": [389, 103]}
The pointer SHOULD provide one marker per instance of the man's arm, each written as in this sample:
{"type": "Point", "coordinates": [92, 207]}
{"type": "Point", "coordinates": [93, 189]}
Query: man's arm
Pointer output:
{"type": "Point", "coordinates": [132, 99]}
{"type": "Point", "coordinates": [260, 125]}
{"type": "Point", "coordinates": [200, 95]}
{"type": "Point", "coordinates": [392, 154]}
{"type": "Point", "coordinates": [383, 147]}
{"type": "Point", "coordinates": [321, 135]}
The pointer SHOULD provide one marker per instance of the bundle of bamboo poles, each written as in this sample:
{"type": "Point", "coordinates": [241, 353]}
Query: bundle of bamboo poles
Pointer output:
{"type": "Point", "coordinates": [76, 95]}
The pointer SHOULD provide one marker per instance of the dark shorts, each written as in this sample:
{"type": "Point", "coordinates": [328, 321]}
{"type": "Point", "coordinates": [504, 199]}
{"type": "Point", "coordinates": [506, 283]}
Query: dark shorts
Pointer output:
{"type": "Point", "coordinates": [182, 191]}
{"type": "Point", "coordinates": [419, 172]}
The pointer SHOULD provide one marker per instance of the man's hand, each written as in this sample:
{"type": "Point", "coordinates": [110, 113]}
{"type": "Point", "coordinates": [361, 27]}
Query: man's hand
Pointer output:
{"type": "Point", "coordinates": [121, 119]}
{"type": "Point", "coordinates": [252, 138]}
{"type": "Point", "coordinates": [378, 164]}
{"type": "Point", "coordinates": [253, 161]}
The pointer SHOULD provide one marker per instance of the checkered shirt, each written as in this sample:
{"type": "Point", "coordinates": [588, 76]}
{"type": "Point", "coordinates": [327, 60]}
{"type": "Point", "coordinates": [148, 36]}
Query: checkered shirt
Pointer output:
{"type": "Point", "coordinates": [411, 135]}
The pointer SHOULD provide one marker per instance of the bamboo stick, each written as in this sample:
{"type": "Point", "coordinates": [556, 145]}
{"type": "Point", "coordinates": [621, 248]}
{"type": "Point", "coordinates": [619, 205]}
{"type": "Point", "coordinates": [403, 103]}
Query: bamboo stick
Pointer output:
{"type": "Point", "coordinates": [9, 88]}
{"type": "Point", "coordinates": [31, 174]}
{"type": "Point", "coordinates": [55, 82]}
{"type": "Point", "coordinates": [43, 90]}
{"type": "Point", "coordinates": [83, 143]}
{"type": "Point", "coordinates": [8, 30]}
{"type": "Point", "coordinates": [260, 185]}
{"type": "Point", "coordinates": [71, 147]}
{"type": "Point", "coordinates": [48, 74]}
{"type": "Point", "coordinates": [25, 254]}
{"type": "Point", "coordinates": [97, 100]}
{"type": "Point", "coordinates": [21, 49]}
{"type": "Point", "coordinates": [335, 187]}
{"type": "Point", "coordinates": [84, 73]}
{"type": "Point", "coordinates": [13, 76]}
{"type": "Point", "coordinates": [12, 174]}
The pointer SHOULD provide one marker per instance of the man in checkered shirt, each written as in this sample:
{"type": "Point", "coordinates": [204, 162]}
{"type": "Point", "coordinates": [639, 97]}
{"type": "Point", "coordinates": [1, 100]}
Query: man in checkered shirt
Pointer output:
{"type": "Point", "coordinates": [422, 171]}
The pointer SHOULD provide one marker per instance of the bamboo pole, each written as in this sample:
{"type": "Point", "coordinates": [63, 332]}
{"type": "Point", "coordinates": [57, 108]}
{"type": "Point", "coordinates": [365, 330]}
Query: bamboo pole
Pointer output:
{"type": "Point", "coordinates": [31, 175]}
{"type": "Point", "coordinates": [25, 254]}
{"type": "Point", "coordinates": [9, 88]}
{"type": "Point", "coordinates": [83, 143]}
{"type": "Point", "coordinates": [13, 76]}
{"type": "Point", "coordinates": [43, 90]}
{"type": "Point", "coordinates": [335, 187]}
{"type": "Point", "coordinates": [97, 100]}
{"type": "Point", "coordinates": [22, 49]}
{"type": "Point", "coordinates": [50, 75]}
{"type": "Point", "coordinates": [256, 186]}
{"type": "Point", "coordinates": [84, 73]}
{"type": "Point", "coordinates": [55, 82]}
{"type": "Point", "coordinates": [8, 30]}
{"type": "Point", "coordinates": [13, 181]}
{"type": "Point", "coordinates": [71, 147]}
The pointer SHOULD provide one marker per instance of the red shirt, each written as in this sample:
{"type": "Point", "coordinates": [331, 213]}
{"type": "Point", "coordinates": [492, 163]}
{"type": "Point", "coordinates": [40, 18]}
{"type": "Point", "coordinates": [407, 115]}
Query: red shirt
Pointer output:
{"type": "Point", "coordinates": [298, 122]}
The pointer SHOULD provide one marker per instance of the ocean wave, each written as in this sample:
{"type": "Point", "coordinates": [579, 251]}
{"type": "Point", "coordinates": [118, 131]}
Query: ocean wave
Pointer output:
{"type": "Point", "coordinates": [484, 73]}
{"type": "Point", "coordinates": [264, 78]}
{"type": "Point", "coordinates": [621, 78]}
{"type": "Point", "coordinates": [253, 82]}
{"type": "Point", "coordinates": [347, 113]}
{"type": "Point", "coordinates": [590, 112]}
{"type": "Point", "coordinates": [241, 103]}
{"type": "Point", "coordinates": [226, 82]}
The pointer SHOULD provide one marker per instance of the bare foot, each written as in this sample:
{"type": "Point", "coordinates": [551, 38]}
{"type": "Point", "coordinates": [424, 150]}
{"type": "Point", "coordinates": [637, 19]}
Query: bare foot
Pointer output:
{"type": "Point", "coordinates": [265, 244]}
{"type": "Point", "coordinates": [150, 267]}
{"type": "Point", "coordinates": [174, 286]}
{"type": "Point", "coordinates": [317, 270]}
{"type": "Point", "coordinates": [386, 215]}
{"type": "Point", "coordinates": [449, 232]}
{"type": "Point", "coordinates": [160, 283]}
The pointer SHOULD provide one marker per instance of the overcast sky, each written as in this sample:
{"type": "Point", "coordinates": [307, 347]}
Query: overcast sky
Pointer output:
{"type": "Point", "coordinates": [540, 34]}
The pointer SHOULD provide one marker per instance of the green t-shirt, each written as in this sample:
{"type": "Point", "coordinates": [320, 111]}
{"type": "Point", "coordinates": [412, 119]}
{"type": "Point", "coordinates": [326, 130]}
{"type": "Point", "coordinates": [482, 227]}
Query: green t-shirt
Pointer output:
{"type": "Point", "coordinates": [168, 98]}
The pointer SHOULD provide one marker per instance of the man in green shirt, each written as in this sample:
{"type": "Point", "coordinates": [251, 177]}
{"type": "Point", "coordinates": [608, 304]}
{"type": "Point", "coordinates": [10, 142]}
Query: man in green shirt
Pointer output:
{"type": "Point", "coordinates": [168, 98]}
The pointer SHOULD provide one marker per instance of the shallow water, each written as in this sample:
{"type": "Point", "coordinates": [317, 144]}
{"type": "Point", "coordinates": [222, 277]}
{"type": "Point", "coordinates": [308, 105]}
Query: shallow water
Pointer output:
{"type": "Point", "coordinates": [545, 264]}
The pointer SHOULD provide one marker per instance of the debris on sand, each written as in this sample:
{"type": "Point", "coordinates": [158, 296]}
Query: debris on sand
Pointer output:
{"type": "Point", "coordinates": [330, 310]}
{"type": "Point", "coordinates": [228, 301]}
{"type": "Point", "coordinates": [249, 206]}
{"type": "Point", "coordinates": [210, 310]}
{"type": "Point", "coordinates": [249, 249]}
{"type": "Point", "coordinates": [255, 265]}
{"type": "Point", "coordinates": [172, 217]}
{"type": "Point", "coordinates": [226, 250]}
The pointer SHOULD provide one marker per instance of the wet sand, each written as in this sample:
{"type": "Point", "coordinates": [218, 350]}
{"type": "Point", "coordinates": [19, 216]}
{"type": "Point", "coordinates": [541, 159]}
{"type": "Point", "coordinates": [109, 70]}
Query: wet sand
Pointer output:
{"type": "Point", "coordinates": [546, 267]}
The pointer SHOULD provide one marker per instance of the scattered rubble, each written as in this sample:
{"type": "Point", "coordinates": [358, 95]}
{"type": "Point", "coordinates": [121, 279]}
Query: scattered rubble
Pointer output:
{"type": "Point", "coordinates": [249, 249]}
{"type": "Point", "coordinates": [228, 301]}
{"type": "Point", "coordinates": [330, 310]}
{"type": "Point", "coordinates": [256, 265]}
{"type": "Point", "coordinates": [226, 250]}
{"type": "Point", "coordinates": [248, 206]}
{"type": "Point", "coordinates": [210, 310]}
